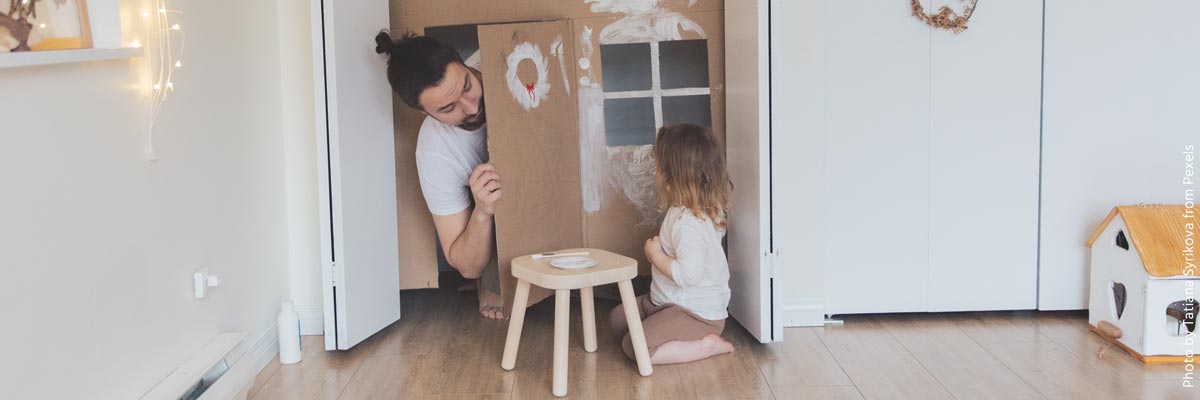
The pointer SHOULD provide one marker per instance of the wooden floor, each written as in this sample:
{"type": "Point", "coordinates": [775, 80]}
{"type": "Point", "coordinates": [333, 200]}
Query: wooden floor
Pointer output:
{"type": "Point", "coordinates": [442, 349]}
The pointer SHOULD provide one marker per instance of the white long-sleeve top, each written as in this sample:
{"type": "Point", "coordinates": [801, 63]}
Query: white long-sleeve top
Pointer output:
{"type": "Point", "coordinates": [700, 269]}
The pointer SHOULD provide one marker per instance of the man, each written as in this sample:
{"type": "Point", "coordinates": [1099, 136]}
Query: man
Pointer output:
{"type": "Point", "coordinates": [460, 187]}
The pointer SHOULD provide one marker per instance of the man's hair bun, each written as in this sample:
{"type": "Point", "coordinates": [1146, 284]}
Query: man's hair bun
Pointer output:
{"type": "Point", "coordinates": [384, 43]}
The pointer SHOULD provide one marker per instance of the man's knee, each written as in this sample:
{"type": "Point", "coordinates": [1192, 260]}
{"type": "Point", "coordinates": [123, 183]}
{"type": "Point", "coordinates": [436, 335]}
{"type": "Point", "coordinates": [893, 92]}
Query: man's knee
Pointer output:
{"type": "Point", "coordinates": [467, 272]}
{"type": "Point", "coordinates": [616, 319]}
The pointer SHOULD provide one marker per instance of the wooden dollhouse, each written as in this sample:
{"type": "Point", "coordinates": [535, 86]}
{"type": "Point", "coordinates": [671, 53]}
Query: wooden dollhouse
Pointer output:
{"type": "Point", "coordinates": [1143, 280]}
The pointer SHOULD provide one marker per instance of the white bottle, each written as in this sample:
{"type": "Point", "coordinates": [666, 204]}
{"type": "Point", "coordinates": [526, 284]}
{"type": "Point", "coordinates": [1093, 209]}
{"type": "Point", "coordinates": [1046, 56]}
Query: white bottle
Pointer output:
{"type": "Point", "coordinates": [289, 334]}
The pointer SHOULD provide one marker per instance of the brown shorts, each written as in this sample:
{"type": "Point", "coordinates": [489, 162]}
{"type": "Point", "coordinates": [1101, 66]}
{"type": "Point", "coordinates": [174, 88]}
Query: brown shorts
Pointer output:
{"type": "Point", "coordinates": [662, 324]}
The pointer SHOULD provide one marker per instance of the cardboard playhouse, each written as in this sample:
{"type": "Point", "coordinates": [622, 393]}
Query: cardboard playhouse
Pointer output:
{"type": "Point", "coordinates": [574, 91]}
{"type": "Point", "coordinates": [1143, 279]}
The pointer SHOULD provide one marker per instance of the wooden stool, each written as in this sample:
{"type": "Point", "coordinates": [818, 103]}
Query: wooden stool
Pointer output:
{"type": "Point", "coordinates": [609, 268]}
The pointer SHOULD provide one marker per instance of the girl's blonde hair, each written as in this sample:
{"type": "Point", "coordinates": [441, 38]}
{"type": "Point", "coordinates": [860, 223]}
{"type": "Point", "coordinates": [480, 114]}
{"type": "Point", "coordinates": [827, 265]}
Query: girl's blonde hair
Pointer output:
{"type": "Point", "coordinates": [690, 171]}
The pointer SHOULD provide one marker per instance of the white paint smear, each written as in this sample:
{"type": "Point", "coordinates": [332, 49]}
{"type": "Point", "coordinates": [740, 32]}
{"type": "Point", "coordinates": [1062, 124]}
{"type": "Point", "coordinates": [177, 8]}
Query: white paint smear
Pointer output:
{"type": "Point", "coordinates": [623, 6]}
{"type": "Point", "coordinates": [644, 21]}
{"type": "Point", "coordinates": [593, 157]}
{"type": "Point", "coordinates": [656, 26]}
{"type": "Point", "coordinates": [585, 41]}
{"type": "Point", "coordinates": [631, 170]}
{"type": "Point", "coordinates": [556, 50]}
{"type": "Point", "coordinates": [529, 95]}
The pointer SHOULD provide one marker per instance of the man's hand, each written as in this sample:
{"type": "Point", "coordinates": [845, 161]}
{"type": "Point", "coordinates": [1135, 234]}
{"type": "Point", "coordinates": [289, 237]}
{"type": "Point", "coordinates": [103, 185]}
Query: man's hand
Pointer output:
{"type": "Point", "coordinates": [485, 187]}
{"type": "Point", "coordinates": [468, 237]}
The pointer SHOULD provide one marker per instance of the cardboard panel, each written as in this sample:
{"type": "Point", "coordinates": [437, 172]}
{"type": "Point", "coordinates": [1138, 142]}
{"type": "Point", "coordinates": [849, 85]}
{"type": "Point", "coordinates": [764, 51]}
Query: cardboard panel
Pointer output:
{"type": "Point", "coordinates": [619, 226]}
{"type": "Point", "coordinates": [625, 217]}
{"type": "Point", "coordinates": [452, 12]}
{"type": "Point", "coordinates": [532, 141]}
{"type": "Point", "coordinates": [418, 238]}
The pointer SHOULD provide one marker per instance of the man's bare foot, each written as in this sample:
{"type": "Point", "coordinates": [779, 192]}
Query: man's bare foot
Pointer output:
{"type": "Point", "coordinates": [715, 344]}
{"type": "Point", "coordinates": [491, 304]}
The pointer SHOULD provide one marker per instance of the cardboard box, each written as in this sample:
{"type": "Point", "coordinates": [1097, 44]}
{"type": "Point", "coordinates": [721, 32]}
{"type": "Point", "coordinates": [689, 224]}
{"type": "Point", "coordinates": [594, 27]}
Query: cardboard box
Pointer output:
{"type": "Point", "coordinates": [571, 179]}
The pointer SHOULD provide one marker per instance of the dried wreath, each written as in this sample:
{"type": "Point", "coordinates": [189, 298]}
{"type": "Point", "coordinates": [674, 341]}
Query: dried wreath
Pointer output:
{"type": "Point", "coordinates": [946, 18]}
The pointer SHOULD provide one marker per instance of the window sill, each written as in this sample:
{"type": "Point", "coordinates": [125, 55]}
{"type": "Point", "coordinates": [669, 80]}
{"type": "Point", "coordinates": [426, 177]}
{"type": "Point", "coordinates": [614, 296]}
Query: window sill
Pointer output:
{"type": "Point", "coordinates": [34, 58]}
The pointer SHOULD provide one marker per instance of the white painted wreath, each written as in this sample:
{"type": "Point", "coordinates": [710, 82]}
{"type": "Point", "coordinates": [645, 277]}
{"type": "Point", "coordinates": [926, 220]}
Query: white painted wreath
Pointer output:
{"type": "Point", "coordinates": [529, 95]}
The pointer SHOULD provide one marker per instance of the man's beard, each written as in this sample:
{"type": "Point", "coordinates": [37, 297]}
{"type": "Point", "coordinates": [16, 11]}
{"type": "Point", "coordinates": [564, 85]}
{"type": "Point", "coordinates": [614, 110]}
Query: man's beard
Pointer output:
{"type": "Point", "coordinates": [471, 124]}
{"type": "Point", "coordinates": [480, 118]}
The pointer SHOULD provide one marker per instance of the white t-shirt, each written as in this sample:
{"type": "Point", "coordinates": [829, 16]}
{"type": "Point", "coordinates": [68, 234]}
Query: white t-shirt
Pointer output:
{"type": "Point", "coordinates": [446, 155]}
{"type": "Point", "coordinates": [700, 270]}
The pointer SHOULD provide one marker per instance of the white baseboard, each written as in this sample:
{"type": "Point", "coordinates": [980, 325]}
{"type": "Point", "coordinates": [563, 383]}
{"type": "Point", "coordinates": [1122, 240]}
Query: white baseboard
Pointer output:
{"type": "Point", "coordinates": [220, 349]}
{"type": "Point", "coordinates": [803, 311]}
{"type": "Point", "coordinates": [312, 321]}
{"type": "Point", "coordinates": [257, 352]}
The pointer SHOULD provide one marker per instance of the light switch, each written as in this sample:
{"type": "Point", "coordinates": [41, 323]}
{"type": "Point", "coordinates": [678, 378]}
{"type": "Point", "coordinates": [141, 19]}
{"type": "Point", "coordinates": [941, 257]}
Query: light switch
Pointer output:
{"type": "Point", "coordinates": [202, 280]}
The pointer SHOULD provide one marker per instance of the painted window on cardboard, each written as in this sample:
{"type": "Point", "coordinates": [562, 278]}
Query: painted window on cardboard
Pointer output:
{"type": "Point", "coordinates": [648, 85]}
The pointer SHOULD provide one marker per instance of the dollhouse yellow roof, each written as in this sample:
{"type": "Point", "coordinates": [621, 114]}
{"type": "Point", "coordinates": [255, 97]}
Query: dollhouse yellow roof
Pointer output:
{"type": "Point", "coordinates": [1158, 232]}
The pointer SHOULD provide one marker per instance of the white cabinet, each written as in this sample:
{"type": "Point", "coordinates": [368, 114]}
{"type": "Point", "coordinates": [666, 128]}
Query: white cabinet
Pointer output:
{"type": "Point", "coordinates": [877, 160]}
{"type": "Point", "coordinates": [983, 141]}
{"type": "Point", "coordinates": [929, 182]}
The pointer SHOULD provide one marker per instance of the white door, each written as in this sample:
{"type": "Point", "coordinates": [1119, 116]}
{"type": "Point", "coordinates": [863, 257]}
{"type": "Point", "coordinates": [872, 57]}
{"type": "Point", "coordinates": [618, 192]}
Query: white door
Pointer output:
{"type": "Point", "coordinates": [747, 81]}
{"type": "Point", "coordinates": [983, 205]}
{"type": "Point", "coordinates": [798, 215]}
{"type": "Point", "coordinates": [932, 150]}
{"type": "Point", "coordinates": [877, 160]}
{"type": "Point", "coordinates": [356, 170]}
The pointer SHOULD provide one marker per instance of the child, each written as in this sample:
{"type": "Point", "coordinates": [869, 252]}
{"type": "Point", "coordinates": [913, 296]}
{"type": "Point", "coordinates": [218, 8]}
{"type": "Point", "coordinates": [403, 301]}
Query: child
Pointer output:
{"type": "Point", "coordinates": [684, 314]}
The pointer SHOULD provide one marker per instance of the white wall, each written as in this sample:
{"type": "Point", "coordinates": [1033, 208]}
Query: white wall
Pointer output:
{"type": "Point", "coordinates": [1122, 95]}
{"type": "Point", "coordinates": [99, 244]}
{"type": "Point", "coordinates": [300, 158]}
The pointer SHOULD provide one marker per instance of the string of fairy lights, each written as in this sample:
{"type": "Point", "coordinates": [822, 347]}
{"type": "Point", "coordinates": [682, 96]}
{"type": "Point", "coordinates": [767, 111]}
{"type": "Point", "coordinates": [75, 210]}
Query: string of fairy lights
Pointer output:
{"type": "Point", "coordinates": [169, 43]}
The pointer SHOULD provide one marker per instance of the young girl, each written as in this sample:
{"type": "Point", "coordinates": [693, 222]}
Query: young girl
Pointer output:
{"type": "Point", "coordinates": [684, 314]}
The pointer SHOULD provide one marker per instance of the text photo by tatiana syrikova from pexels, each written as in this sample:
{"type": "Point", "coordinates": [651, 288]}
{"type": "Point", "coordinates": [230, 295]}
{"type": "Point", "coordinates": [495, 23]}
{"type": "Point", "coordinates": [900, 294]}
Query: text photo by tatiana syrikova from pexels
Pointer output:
{"type": "Point", "coordinates": [1189, 256]}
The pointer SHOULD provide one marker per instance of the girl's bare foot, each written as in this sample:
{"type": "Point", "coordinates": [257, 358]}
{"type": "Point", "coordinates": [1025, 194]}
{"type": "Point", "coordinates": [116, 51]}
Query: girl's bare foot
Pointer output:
{"type": "Point", "coordinates": [715, 344]}
{"type": "Point", "coordinates": [677, 351]}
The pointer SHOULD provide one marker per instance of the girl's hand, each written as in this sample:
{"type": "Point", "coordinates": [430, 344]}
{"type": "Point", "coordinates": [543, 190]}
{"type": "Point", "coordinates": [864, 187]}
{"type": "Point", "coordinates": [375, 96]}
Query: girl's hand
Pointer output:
{"type": "Point", "coordinates": [659, 259]}
{"type": "Point", "coordinates": [653, 248]}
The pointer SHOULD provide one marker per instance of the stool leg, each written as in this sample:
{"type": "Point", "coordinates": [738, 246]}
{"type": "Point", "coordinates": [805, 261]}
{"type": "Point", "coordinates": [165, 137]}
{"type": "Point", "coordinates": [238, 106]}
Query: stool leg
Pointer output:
{"type": "Point", "coordinates": [589, 319]}
{"type": "Point", "coordinates": [515, 323]}
{"type": "Point", "coordinates": [640, 352]}
{"type": "Point", "coordinates": [562, 325]}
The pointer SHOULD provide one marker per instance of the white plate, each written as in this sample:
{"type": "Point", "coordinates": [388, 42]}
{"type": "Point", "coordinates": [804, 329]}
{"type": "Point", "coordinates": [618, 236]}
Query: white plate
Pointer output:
{"type": "Point", "coordinates": [574, 262]}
